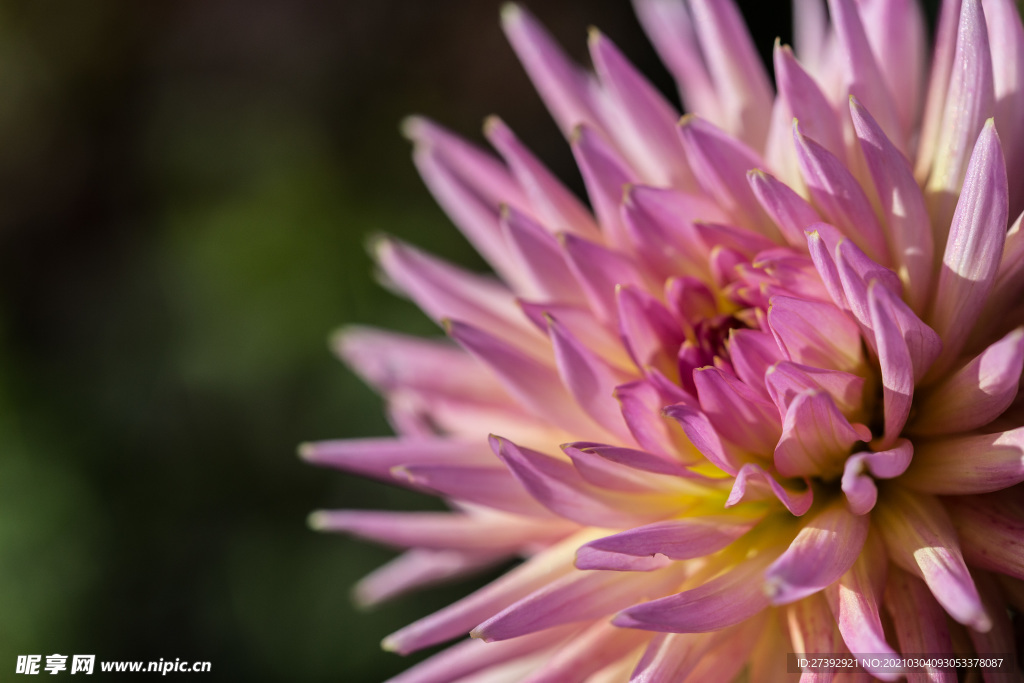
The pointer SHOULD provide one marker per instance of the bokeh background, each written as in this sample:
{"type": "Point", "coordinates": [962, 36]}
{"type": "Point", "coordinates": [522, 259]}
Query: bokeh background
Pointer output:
{"type": "Point", "coordinates": [185, 193]}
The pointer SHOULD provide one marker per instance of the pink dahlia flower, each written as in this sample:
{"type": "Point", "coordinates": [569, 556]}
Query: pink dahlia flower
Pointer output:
{"type": "Point", "coordinates": [760, 396]}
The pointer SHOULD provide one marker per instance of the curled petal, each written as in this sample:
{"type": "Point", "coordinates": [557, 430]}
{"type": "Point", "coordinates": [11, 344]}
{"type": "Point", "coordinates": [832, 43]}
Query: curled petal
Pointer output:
{"type": "Point", "coordinates": [787, 380]}
{"type": "Point", "coordinates": [815, 437]}
{"type": "Point", "coordinates": [824, 549]}
{"type": "Point", "coordinates": [754, 483]}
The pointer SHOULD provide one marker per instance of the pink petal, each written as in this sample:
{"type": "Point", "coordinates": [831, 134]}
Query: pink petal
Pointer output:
{"type": "Point", "coordinates": [544, 273]}
{"type": "Point", "coordinates": [813, 630]}
{"type": "Point", "coordinates": [754, 483]}
{"type": "Point", "coordinates": [605, 173]}
{"type": "Point", "coordinates": [839, 196]}
{"type": "Point", "coordinates": [990, 528]}
{"type": "Point", "coordinates": [898, 36]}
{"type": "Point", "coordinates": [676, 539]}
{"type": "Point", "coordinates": [650, 332]}
{"type": "Point", "coordinates": [786, 380]}
{"type": "Point", "coordinates": [589, 379]}
{"type": "Point", "coordinates": [968, 102]}
{"type": "Point", "coordinates": [1001, 638]}
{"type": "Point", "coordinates": [584, 325]}
{"type": "Point", "coordinates": [720, 164]}
{"type": "Point", "coordinates": [555, 205]}
{"type": "Point", "coordinates": [472, 656]}
{"type": "Point", "coordinates": [921, 539]}
{"type": "Point", "coordinates": [863, 75]}
{"type": "Point", "coordinates": [416, 569]}
{"type": "Point", "coordinates": [806, 102]}
{"type": "Point", "coordinates": [741, 82]}
{"type": "Point", "coordinates": [788, 210]}
{"type": "Point", "coordinates": [670, 28]}
{"type": "Point", "coordinates": [751, 422]}
{"type": "Point", "coordinates": [567, 91]}
{"type": "Point", "coordinates": [628, 463]}
{"type": "Point", "coordinates": [530, 381]}
{"type": "Point", "coordinates": [579, 596]}
{"type": "Point", "coordinates": [974, 248]}
{"type": "Point", "coordinates": [728, 599]}
{"type": "Point", "coordinates": [919, 621]}
{"type": "Point", "coordinates": [977, 393]}
{"type": "Point", "coordinates": [492, 487]}
{"type": "Point", "coordinates": [600, 271]}
{"type": "Point", "coordinates": [560, 488]}
{"type": "Point", "coordinates": [660, 224]}
{"type": "Point", "coordinates": [854, 603]}
{"type": "Point", "coordinates": [459, 617]}
{"type": "Point", "coordinates": [1006, 40]}
{"type": "Point", "coordinates": [752, 353]}
{"type": "Point", "coordinates": [376, 457]}
{"type": "Point", "coordinates": [859, 487]}
{"type": "Point", "coordinates": [648, 120]}
{"type": "Point", "coordinates": [440, 530]}
{"type": "Point", "coordinates": [389, 361]}
{"type": "Point", "coordinates": [587, 653]}
{"type": "Point", "coordinates": [641, 409]}
{"type": "Point", "coordinates": [445, 291]}
{"type": "Point", "coordinates": [799, 326]}
{"type": "Point", "coordinates": [895, 361]}
{"type": "Point", "coordinates": [968, 464]}
{"type": "Point", "coordinates": [824, 549]}
{"type": "Point", "coordinates": [910, 236]}
{"type": "Point", "coordinates": [815, 437]}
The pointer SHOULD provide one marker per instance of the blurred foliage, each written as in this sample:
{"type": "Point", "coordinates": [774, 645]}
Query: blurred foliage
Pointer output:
{"type": "Point", "coordinates": [187, 187]}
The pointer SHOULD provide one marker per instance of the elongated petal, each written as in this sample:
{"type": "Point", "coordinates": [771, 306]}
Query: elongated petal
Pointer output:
{"type": "Point", "coordinates": [1006, 41]}
{"type": "Point", "coordinates": [812, 629]}
{"type": "Point", "coordinates": [806, 102]}
{"type": "Point", "coordinates": [439, 530]}
{"type": "Point", "coordinates": [565, 88]}
{"type": "Point", "coordinates": [800, 328]}
{"type": "Point", "coordinates": [898, 36]}
{"type": "Point", "coordinates": [975, 245]}
{"type": "Point", "coordinates": [896, 363]}
{"type": "Point", "coordinates": [910, 237]}
{"type": "Point", "coordinates": [969, 101]}
{"type": "Point", "coordinates": [556, 206]}
{"type": "Point", "coordinates": [854, 601]}
{"type": "Point", "coordinates": [747, 420]}
{"type": "Point", "coordinates": [642, 411]}
{"type": "Point", "coordinates": [863, 76]}
{"type": "Point", "coordinates": [587, 653]}
{"type": "Point", "coordinates": [704, 437]}
{"type": "Point", "coordinates": [754, 483]}
{"type": "Point", "coordinates": [445, 291]}
{"type": "Point", "coordinates": [721, 164]}
{"type": "Point", "coordinates": [560, 488]}
{"type": "Point", "coordinates": [919, 621]}
{"type": "Point", "coordinates": [417, 569]}
{"type": "Point", "coordinates": [461, 616]}
{"type": "Point", "coordinates": [677, 539]}
{"type": "Point", "coordinates": [938, 87]}
{"type": "Point", "coordinates": [605, 173]}
{"type": "Point", "coordinates": [390, 361]}
{"type": "Point", "coordinates": [530, 381]}
{"type": "Point", "coordinates": [921, 539]}
{"type": "Point", "coordinates": [660, 224]}
{"type": "Point", "coordinates": [723, 601]}
{"type": "Point", "coordinates": [600, 271]}
{"type": "Point", "coordinates": [741, 82]}
{"type": "Point", "coordinates": [788, 210]}
{"type": "Point", "coordinates": [648, 119]}
{"type": "Point", "coordinates": [492, 487]}
{"type": "Point", "coordinates": [579, 596]}
{"type": "Point", "coordinates": [824, 549]}
{"type": "Point", "coordinates": [650, 332]}
{"type": "Point", "coordinates": [472, 656]}
{"type": "Point", "coordinates": [544, 273]}
{"type": "Point", "coordinates": [977, 393]}
{"type": "Point", "coordinates": [839, 197]}
{"type": "Point", "coordinates": [589, 379]}
{"type": "Point", "coordinates": [991, 531]}
{"type": "Point", "coordinates": [968, 464]}
{"type": "Point", "coordinates": [376, 457]}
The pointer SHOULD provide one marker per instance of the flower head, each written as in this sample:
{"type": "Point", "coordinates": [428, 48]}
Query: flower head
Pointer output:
{"type": "Point", "coordinates": [760, 396]}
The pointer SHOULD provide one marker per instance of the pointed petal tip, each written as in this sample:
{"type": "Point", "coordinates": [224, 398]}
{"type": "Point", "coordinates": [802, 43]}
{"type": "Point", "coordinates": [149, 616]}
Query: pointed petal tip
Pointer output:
{"type": "Point", "coordinates": [307, 452]}
{"type": "Point", "coordinates": [411, 127]}
{"type": "Point", "coordinates": [317, 520]}
{"type": "Point", "coordinates": [510, 12]}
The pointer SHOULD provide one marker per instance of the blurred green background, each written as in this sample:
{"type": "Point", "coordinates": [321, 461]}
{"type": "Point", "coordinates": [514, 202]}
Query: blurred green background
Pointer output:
{"type": "Point", "coordinates": [186, 189]}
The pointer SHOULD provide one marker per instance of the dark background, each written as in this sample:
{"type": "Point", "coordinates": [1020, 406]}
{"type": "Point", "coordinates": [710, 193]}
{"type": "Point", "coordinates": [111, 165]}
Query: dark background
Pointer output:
{"type": "Point", "coordinates": [185, 189]}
